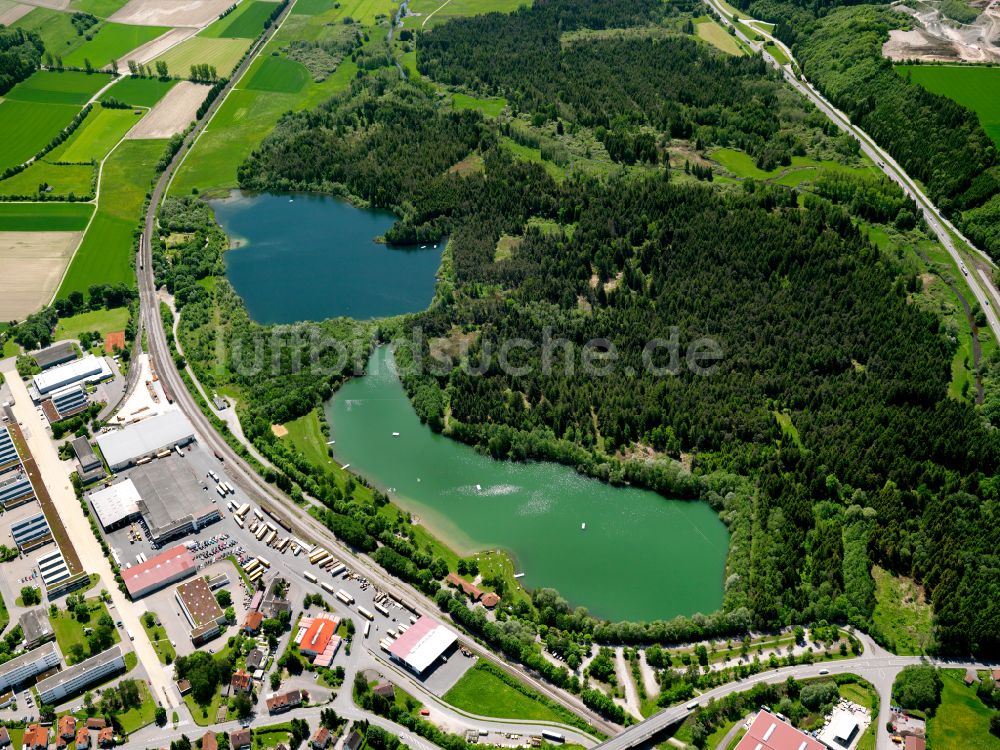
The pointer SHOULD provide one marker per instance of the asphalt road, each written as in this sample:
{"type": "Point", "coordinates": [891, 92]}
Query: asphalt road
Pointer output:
{"type": "Point", "coordinates": [244, 475]}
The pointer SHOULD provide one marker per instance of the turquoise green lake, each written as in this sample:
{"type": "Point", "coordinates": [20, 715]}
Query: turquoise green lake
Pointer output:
{"type": "Point", "coordinates": [640, 557]}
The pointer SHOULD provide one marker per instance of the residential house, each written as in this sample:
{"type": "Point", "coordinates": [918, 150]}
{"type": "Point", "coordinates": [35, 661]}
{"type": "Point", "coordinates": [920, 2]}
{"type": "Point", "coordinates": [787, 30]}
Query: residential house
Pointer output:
{"type": "Point", "coordinates": [106, 737]}
{"type": "Point", "coordinates": [354, 740]}
{"type": "Point", "coordinates": [255, 660]}
{"type": "Point", "coordinates": [385, 690]}
{"type": "Point", "coordinates": [36, 738]}
{"type": "Point", "coordinates": [277, 704]}
{"type": "Point", "coordinates": [67, 727]}
{"type": "Point", "coordinates": [241, 682]}
{"type": "Point", "coordinates": [96, 722]}
{"type": "Point", "coordinates": [252, 623]}
{"type": "Point", "coordinates": [209, 741]}
{"type": "Point", "coordinates": [240, 739]}
{"type": "Point", "coordinates": [320, 739]}
{"type": "Point", "coordinates": [82, 739]}
{"type": "Point", "coordinates": [4, 737]}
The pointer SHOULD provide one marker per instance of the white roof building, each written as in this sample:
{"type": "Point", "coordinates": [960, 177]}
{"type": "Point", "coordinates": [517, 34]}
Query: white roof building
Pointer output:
{"type": "Point", "coordinates": [422, 644]}
{"type": "Point", "coordinates": [116, 504]}
{"type": "Point", "coordinates": [89, 369]}
{"type": "Point", "coordinates": [122, 447]}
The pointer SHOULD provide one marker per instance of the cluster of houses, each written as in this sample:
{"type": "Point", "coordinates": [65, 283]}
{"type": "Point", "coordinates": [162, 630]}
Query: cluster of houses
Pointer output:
{"type": "Point", "coordinates": [242, 739]}
{"type": "Point", "coordinates": [487, 598]}
{"type": "Point", "coordinates": [70, 734]}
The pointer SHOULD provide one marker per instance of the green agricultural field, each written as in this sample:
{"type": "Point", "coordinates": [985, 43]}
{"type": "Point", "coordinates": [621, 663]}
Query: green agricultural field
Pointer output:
{"type": "Point", "coordinates": [961, 721]}
{"type": "Point", "coordinates": [224, 54]}
{"type": "Point", "coordinates": [489, 107]}
{"type": "Point", "coordinates": [112, 42]}
{"type": "Point", "coordinates": [972, 86]}
{"type": "Point", "coordinates": [44, 217]}
{"type": "Point", "coordinates": [105, 254]}
{"type": "Point", "coordinates": [718, 37]}
{"type": "Point", "coordinates": [311, 7]}
{"type": "Point", "coordinates": [483, 691]}
{"type": "Point", "coordinates": [365, 11]}
{"type": "Point", "coordinates": [54, 27]}
{"type": "Point", "coordinates": [28, 127]}
{"type": "Point", "coordinates": [246, 22]}
{"type": "Point", "coordinates": [140, 92]}
{"type": "Point", "coordinates": [278, 74]}
{"type": "Point", "coordinates": [99, 8]}
{"type": "Point", "coordinates": [901, 612]}
{"type": "Point", "coordinates": [103, 321]}
{"type": "Point", "coordinates": [64, 179]}
{"type": "Point", "coordinates": [432, 12]}
{"type": "Point", "coordinates": [95, 138]}
{"type": "Point", "coordinates": [59, 87]}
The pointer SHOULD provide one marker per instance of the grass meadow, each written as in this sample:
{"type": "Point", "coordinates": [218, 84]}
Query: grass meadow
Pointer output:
{"type": "Point", "coordinates": [489, 107]}
{"type": "Point", "coordinates": [278, 74]}
{"type": "Point", "coordinates": [246, 22]}
{"type": "Point", "coordinates": [28, 127]}
{"type": "Point", "coordinates": [901, 612]}
{"type": "Point", "coordinates": [95, 138]}
{"type": "Point", "coordinates": [718, 37]}
{"type": "Point", "coordinates": [54, 27]}
{"type": "Point", "coordinates": [64, 179]}
{"type": "Point", "coordinates": [112, 42]}
{"type": "Point", "coordinates": [433, 12]}
{"type": "Point", "coordinates": [105, 254]}
{"type": "Point", "coordinates": [44, 217]}
{"type": "Point", "coordinates": [961, 721]}
{"type": "Point", "coordinates": [224, 54]}
{"type": "Point", "coordinates": [99, 8]}
{"type": "Point", "coordinates": [481, 691]}
{"type": "Point", "coordinates": [103, 321]}
{"type": "Point", "coordinates": [973, 86]}
{"type": "Point", "coordinates": [59, 87]}
{"type": "Point", "coordinates": [140, 92]}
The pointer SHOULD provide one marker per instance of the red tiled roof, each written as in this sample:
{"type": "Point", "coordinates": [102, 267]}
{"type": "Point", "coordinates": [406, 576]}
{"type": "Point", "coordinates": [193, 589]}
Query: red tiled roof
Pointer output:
{"type": "Point", "coordinates": [913, 742]}
{"type": "Point", "coordinates": [209, 741]}
{"type": "Point", "coordinates": [768, 732]}
{"type": "Point", "coordinates": [318, 634]}
{"type": "Point", "coordinates": [253, 621]}
{"type": "Point", "coordinates": [113, 340]}
{"type": "Point", "coordinates": [490, 600]}
{"type": "Point", "coordinates": [470, 589]}
{"type": "Point", "coordinates": [96, 722]}
{"type": "Point", "coordinates": [160, 569]}
{"type": "Point", "coordinates": [241, 680]}
{"type": "Point", "coordinates": [36, 736]}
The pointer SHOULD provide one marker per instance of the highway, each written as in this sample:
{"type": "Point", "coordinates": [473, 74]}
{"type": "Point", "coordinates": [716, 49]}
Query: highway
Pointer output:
{"type": "Point", "coordinates": [242, 473]}
{"type": "Point", "coordinates": [936, 221]}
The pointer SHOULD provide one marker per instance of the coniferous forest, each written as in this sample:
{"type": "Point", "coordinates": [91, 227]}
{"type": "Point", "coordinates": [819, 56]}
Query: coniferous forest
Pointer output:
{"type": "Point", "coordinates": [823, 434]}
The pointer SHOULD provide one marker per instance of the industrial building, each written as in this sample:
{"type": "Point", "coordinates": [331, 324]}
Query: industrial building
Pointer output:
{"type": "Point", "coordinates": [73, 679]}
{"type": "Point", "coordinates": [840, 732]}
{"type": "Point", "coordinates": [8, 453]}
{"type": "Point", "coordinates": [317, 638]}
{"type": "Point", "coordinates": [36, 627]}
{"type": "Point", "coordinates": [57, 354]}
{"type": "Point", "coordinates": [116, 506]}
{"type": "Point", "coordinates": [423, 643]}
{"type": "Point", "coordinates": [90, 465]}
{"type": "Point", "coordinates": [53, 567]}
{"type": "Point", "coordinates": [173, 565]}
{"type": "Point", "coordinates": [31, 532]}
{"type": "Point", "coordinates": [15, 489]}
{"type": "Point", "coordinates": [65, 403]}
{"type": "Point", "coordinates": [90, 369]}
{"type": "Point", "coordinates": [28, 665]}
{"type": "Point", "coordinates": [145, 439]}
{"type": "Point", "coordinates": [201, 610]}
{"type": "Point", "coordinates": [768, 732]}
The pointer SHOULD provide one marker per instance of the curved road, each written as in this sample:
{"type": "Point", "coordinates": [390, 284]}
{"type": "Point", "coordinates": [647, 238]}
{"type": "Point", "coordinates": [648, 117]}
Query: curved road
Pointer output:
{"type": "Point", "coordinates": [937, 222]}
{"type": "Point", "coordinates": [243, 474]}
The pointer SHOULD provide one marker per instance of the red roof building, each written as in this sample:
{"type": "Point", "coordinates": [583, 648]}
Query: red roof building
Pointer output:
{"type": "Point", "coordinates": [67, 727]}
{"type": "Point", "coordinates": [96, 722]}
{"type": "Point", "coordinates": [241, 682]}
{"type": "Point", "coordinates": [912, 742]}
{"type": "Point", "coordinates": [82, 739]}
{"type": "Point", "coordinates": [253, 622]}
{"type": "Point", "coordinates": [320, 738]}
{"type": "Point", "coordinates": [209, 741]}
{"type": "Point", "coordinates": [490, 600]}
{"type": "Point", "coordinates": [106, 737]}
{"type": "Point", "coordinates": [317, 638]}
{"type": "Point", "coordinates": [768, 732]}
{"type": "Point", "coordinates": [36, 737]}
{"type": "Point", "coordinates": [169, 566]}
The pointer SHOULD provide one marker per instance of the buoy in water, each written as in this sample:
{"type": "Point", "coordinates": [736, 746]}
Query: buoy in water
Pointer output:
{"type": "Point", "coordinates": [395, 434]}
{"type": "Point", "coordinates": [583, 526]}
{"type": "Point", "coordinates": [479, 488]}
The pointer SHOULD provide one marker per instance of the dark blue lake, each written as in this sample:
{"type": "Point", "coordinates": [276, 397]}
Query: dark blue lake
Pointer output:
{"type": "Point", "coordinates": [309, 257]}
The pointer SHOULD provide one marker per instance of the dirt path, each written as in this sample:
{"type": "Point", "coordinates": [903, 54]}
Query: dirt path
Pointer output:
{"type": "Point", "coordinates": [648, 676]}
{"type": "Point", "coordinates": [624, 672]}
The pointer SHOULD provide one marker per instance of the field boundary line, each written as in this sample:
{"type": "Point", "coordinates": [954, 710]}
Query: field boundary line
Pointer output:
{"type": "Point", "coordinates": [429, 15]}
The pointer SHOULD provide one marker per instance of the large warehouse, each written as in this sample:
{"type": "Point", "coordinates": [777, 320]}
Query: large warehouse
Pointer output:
{"type": "Point", "coordinates": [90, 369]}
{"type": "Point", "coordinates": [174, 564]}
{"type": "Point", "coordinates": [422, 644]}
{"type": "Point", "coordinates": [116, 506]}
{"type": "Point", "coordinates": [146, 438]}
{"type": "Point", "coordinates": [202, 611]}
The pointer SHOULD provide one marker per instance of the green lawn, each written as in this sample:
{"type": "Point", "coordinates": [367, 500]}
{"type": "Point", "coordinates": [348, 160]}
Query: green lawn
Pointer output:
{"type": "Point", "coordinates": [482, 691]}
{"type": "Point", "coordinates": [308, 439]}
{"type": "Point", "coordinates": [54, 27]}
{"type": "Point", "coordinates": [111, 42]}
{"type": "Point", "coordinates": [64, 179]}
{"type": "Point", "coordinates": [28, 127]}
{"type": "Point", "coordinates": [974, 86]}
{"type": "Point", "coordinates": [99, 8]}
{"type": "Point", "coordinates": [489, 107]}
{"type": "Point", "coordinates": [776, 52]}
{"type": "Point", "coordinates": [246, 22]}
{"type": "Point", "coordinates": [69, 630]}
{"type": "Point", "coordinates": [962, 721]}
{"type": "Point", "coordinates": [442, 11]}
{"type": "Point", "coordinates": [278, 74]}
{"type": "Point", "coordinates": [4, 614]}
{"type": "Point", "coordinates": [199, 50]}
{"type": "Point", "coordinates": [901, 612]}
{"type": "Point", "coordinates": [96, 136]}
{"type": "Point", "coordinates": [44, 217]}
{"type": "Point", "coordinates": [742, 164]}
{"type": "Point", "coordinates": [203, 716]}
{"type": "Point", "coordinates": [718, 37]}
{"type": "Point", "coordinates": [59, 87]}
{"type": "Point", "coordinates": [105, 254]}
{"type": "Point", "coordinates": [161, 643]}
{"type": "Point", "coordinates": [104, 321]}
{"type": "Point", "coordinates": [139, 716]}
{"type": "Point", "coordinates": [140, 92]}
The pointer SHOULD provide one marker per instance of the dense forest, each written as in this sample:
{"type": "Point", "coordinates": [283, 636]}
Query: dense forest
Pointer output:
{"type": "Point", "coordinates": [823, 435]}
{"type": "Point", "coordinates": [20, 53]}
